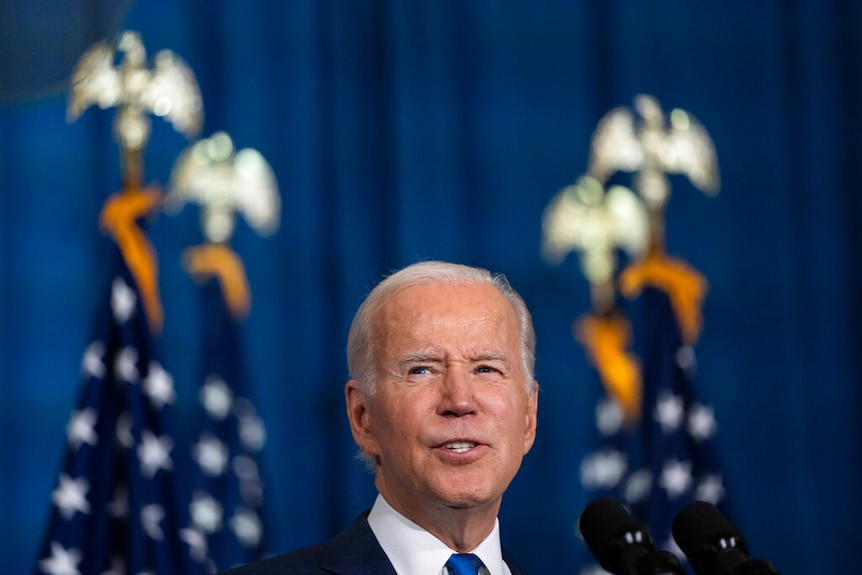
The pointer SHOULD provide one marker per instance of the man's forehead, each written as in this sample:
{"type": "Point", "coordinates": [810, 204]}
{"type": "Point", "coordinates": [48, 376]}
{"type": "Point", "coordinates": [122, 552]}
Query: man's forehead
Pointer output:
{"type": "Point", "coordinates": [475, 322]}
{"type": "Point", "coordinates": [426, 307]}
{"type": "Point", "coordinates": [437, 298]}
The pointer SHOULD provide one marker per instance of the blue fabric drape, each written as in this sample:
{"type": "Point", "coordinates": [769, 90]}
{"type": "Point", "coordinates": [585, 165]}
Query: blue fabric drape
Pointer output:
{"type": "Point", "coordinates": [441, 129]}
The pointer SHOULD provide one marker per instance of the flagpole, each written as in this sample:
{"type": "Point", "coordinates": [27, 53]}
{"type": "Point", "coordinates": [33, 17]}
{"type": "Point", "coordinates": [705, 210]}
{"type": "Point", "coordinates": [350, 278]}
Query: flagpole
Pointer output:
{"type": "Point", "coordinates": [117, 507]}
{"type": "Point", "coordinates": [654, 445]}
{"type": "Point", "coordinates": [224, 182]}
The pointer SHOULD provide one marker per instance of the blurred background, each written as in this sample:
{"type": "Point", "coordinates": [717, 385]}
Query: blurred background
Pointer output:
{"type": "Point", "coordinates": [402, 131]}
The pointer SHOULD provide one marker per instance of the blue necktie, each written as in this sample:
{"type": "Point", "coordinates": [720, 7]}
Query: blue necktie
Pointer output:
{"type": "Point", "coordinates": [464, 564]}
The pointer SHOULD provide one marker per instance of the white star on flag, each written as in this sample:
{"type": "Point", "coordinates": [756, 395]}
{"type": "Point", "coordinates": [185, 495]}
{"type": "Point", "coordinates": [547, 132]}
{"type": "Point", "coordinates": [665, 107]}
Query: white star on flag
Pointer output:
{"type": "Point", "coordinates": [686, 358]}
{"type": "Point", "coordinates": [603, 469]}
{"type": "Point", "coordinates": [206, 512]}
{"type": "Point", "coordinates": [246, 525]}
{"type": "Point", "coordinates": [125, 365]}
{"type": "Point", "coordinates": [151, 517]}
{"type": "Point", "coordinates": [246, 468]}
{"type": "Point", "coordinates": [154, 453]}
{"type": "Point", "coordinates": [122, 301]}
{"type": "Point", "coordinates": [61, 562]}
{"type": "Point", "coordinates": [80, 429]}
{"type": "Point", "coordinates": [92, 364]}
{"type": "Point", "coordinates": [159, 386]}
{"type": "Point", "coordinates": [710, 489]}
{"type": "Point", "coordinates": [701, 422]}
{"type": "Point", "coordinates": [676, 478]}
{"type": "Point", "coordinates": [197, 543]}
{"type": "Point", "coordinates": [211, 454]}
{"type": "Point", "coordinates": [609, 417]}
{"type": "Point", "coordinates": [71, 496]}
{"type": "Point", "coordinates": [638, 486]}
{"type": "Point", "coordinates": [249, 479]}
{"type": "Point", "coordinates": [216, 397]}
{"type": "Point", "coordinates": [251, 430]}
{"type": "Point", "coordinates": [669, 411]}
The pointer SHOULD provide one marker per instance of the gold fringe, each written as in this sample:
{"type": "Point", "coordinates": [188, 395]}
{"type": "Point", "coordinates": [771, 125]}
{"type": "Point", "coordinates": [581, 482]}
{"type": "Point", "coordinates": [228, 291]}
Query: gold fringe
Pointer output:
{"type": "Point", "coordinates": [683, 284]}
{"type": "Point", "coordinates": [605, 339]}
{"type": "Point", "coordinates": [219, 261]}
{"type": "Point", "coordinates": [119, 219]}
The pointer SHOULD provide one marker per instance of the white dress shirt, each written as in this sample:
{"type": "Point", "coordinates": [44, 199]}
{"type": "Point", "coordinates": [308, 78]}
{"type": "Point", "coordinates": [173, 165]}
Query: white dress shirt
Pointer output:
{"type": "Point", "coordinates": [414, 551]}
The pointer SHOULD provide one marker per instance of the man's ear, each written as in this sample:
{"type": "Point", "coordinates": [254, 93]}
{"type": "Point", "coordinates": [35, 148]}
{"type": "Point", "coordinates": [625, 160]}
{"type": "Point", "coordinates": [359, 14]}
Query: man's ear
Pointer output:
{"type": "Point", "coordinates": [359, 416]}
{"type": "Point", "coordinates": [532, 421]}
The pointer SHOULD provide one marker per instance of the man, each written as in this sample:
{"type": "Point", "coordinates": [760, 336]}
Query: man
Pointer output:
{"type": "Point", "coordinates": [442, 402]}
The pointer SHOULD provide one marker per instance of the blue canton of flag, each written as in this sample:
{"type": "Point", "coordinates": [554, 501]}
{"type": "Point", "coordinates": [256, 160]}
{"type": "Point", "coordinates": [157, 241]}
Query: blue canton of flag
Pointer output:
{"type": "Point", "coordinates": [227, 496]}
{"type": "Point", "coordinates": [669, 459]}
{"type": "Point", "coordinates": [117, 507]}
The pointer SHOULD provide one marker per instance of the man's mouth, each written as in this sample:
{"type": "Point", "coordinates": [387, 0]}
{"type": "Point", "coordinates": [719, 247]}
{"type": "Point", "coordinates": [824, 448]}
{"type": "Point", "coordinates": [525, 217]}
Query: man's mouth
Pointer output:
{"type": "Point", "coordinates": [460, 446]}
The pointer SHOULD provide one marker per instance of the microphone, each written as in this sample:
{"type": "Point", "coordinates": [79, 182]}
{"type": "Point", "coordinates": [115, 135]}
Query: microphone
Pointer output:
{"type": "Point", "coordinates": [621, 543]}
{"type": "Point", "coordinates": [713, 545]}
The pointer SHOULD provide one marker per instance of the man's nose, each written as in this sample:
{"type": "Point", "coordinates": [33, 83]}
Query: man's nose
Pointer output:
{"type": "Point", "coordinates": [458, 392]}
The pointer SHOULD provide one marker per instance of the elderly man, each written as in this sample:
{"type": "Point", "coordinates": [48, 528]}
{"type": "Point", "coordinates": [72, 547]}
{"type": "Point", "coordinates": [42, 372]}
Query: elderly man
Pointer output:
{"type": "Point", "coordinates": [442, 402]}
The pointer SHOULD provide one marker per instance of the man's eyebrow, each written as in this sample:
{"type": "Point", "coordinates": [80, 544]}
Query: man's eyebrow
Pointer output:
{"type": "Point", "coordinates": [420, 357]}
{"type": "Point", "coordinates": [491, 356]}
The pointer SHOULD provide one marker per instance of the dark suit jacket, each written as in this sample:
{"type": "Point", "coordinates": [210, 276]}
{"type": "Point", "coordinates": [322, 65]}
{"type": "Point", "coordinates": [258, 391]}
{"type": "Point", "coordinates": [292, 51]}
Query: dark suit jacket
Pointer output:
{"type": "Point", "coordinates": [354, 551]}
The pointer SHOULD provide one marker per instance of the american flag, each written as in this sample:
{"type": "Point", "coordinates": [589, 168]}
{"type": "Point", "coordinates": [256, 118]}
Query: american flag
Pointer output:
{"type": "Point", "coordinates": [669, 459]}
{"type": "Point", "coordinates": [117, 507]}
{"type": "Point", "coordinates": [227, 494]}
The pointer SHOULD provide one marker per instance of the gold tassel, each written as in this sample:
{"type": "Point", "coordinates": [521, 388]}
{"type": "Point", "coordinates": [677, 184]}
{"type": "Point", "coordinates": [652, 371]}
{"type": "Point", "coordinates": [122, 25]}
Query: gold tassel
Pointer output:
{"type": "Point", "coordinates": [119, 219]}
{"type": "Point", "coordinates": [684, 285]}
{"type": "Point", "coordinates": [605, 339]}
{"type": "Point", "coordinates": [219, 261]}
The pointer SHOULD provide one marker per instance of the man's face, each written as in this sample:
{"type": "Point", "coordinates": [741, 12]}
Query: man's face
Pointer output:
{"type": "Point", "coordinates": [451, 416]}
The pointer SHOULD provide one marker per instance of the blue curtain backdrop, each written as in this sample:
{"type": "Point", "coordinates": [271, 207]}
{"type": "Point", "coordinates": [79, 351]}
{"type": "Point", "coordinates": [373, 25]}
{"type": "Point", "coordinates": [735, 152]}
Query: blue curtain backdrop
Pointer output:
{"type": "Point", "coordinates": [401, 131]}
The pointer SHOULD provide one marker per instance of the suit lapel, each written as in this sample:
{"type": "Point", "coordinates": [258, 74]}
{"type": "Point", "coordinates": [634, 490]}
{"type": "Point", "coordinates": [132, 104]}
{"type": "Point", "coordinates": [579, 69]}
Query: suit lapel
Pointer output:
{"type": "Point", "coordinates": [355, 551]}
{"type": "Point", "coordinates": [512, 567]}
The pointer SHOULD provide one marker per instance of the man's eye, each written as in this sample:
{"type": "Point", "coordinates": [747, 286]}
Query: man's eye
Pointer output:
{"type": "Point", "coordinates": [418, 371]}
{"type": "Point", "coordinates": [485, 369]}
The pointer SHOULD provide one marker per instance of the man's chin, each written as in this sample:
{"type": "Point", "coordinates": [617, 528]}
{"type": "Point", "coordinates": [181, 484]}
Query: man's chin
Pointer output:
{"type": "Point", "coordinates": [469, 498]}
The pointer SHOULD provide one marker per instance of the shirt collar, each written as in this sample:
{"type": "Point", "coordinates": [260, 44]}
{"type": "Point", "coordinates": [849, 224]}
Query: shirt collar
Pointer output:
{"type": "Point", "coordinates": [414, 551]}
